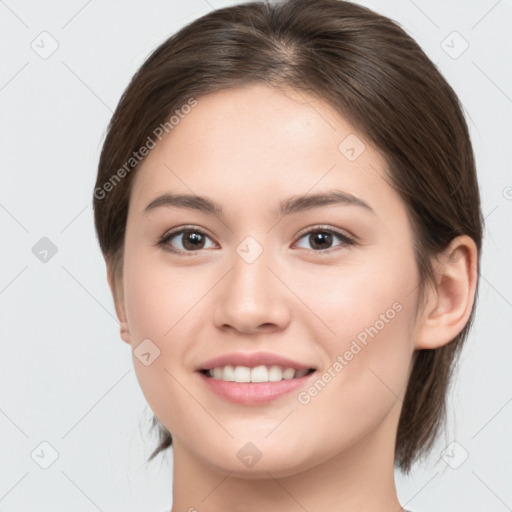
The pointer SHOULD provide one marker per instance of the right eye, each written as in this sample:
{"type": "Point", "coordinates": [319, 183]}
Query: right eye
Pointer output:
{"type": "Point", "coordinates": [190, 238]}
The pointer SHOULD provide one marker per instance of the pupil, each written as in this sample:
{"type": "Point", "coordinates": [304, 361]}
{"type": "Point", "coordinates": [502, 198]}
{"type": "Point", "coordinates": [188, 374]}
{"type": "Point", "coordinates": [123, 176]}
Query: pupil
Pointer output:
{"type": "Point", "coordinates": [321, 236]}
{"type": "Point", "coordinates": [194, 239]}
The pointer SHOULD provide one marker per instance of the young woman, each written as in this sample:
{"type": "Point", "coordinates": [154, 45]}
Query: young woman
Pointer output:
{"type": "Point", "coordinates": [288, 208]}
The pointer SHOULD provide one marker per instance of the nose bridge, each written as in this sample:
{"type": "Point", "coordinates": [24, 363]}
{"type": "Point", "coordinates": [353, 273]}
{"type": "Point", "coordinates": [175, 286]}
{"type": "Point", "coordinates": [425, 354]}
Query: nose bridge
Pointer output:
{"type": "Point", "coordinates": [250, 275]}
{"type": "Point", "coordinates": [251, 295]}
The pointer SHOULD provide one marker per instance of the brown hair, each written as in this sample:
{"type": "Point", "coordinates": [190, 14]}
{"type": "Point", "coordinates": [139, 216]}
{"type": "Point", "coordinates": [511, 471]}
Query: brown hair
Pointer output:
{"type": "Point", "coordinates": [379, 79]}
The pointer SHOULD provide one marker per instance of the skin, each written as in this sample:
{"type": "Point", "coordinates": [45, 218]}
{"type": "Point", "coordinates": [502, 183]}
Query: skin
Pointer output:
{"type": "Point", "coordinates": [248, 149]}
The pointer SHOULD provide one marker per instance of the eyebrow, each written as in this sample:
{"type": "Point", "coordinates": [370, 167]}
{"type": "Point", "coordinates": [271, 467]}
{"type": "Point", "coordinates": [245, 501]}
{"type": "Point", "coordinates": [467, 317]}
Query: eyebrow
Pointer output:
{"type": "Point", "coordinates": [289, 206]}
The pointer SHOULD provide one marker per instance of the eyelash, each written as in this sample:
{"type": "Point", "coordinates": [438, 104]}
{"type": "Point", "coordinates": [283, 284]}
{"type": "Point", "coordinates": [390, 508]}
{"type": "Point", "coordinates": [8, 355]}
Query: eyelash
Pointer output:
{"type": "Point", "coordinates": [346, 240]}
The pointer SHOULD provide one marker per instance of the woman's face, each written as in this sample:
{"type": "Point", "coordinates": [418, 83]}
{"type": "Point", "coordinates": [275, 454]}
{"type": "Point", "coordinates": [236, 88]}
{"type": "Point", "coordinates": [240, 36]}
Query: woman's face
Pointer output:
{"type": "Point", "coordinates": [330, 284]}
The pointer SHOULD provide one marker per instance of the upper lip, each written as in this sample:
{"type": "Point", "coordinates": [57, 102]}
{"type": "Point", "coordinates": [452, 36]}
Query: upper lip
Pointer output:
{"type": "Point", "coordinates": [252, 359]}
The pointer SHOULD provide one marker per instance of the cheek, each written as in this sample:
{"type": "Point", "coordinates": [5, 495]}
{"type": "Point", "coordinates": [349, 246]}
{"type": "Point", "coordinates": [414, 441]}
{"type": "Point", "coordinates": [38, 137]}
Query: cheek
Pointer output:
{"type": "Point", "coordinates": [167, 305]}
{"type": "Point", "coordinates": [366, 379]}
{"type": "Point", "coordinates": [355, 298]}
{"type": "Point", "coordinates": [157, 301]}
{"type": "Point", "coordinates": [147, 306]}
{"type": "Point", "coordinates": [370, 315]}
{"type": "Point", "coordinates": [155, 295]}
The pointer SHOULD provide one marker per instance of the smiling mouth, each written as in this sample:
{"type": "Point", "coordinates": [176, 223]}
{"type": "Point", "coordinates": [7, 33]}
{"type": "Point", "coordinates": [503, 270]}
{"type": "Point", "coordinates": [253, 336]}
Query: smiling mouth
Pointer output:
{"type": "Point", "coordinates": [257, 385]}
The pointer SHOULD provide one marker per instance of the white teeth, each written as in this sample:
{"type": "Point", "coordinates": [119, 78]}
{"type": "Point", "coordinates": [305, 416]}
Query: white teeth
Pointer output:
{"type": "Point", "coordinates": [227, 373]}
{"type": "Point", "coordinates": [260, 373]}
{"type": "Point", "coordinates": [217, 373]}
{"type": "Point", "coordinates": [289, 373]}
{"type": "Point", "coordinates": [242, 374]}
{"type": "Point", "coordinates": [275, 374]}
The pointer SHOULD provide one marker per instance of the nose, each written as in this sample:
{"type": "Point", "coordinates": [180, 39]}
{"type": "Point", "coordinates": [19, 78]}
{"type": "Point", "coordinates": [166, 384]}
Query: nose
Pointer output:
{"type": "Point", "coordinates": [251, 298]}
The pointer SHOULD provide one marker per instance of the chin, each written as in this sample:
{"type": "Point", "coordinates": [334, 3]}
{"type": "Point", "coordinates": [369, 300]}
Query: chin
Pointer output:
{"type": "Point", "coordinates": [250, 462]}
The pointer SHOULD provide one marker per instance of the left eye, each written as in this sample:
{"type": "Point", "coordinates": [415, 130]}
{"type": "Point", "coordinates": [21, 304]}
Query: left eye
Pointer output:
{"type": "Point", "coordinates": [321, 237]}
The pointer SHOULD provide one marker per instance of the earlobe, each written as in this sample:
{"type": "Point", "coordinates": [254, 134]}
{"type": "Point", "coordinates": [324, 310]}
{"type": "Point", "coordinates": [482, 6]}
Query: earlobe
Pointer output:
{"type": "Point", "coordinates": [124, 332]}
{"type": "Point", "coordinates": [116, 288]}
{"type": "Point", "coordinates": [450, 300]}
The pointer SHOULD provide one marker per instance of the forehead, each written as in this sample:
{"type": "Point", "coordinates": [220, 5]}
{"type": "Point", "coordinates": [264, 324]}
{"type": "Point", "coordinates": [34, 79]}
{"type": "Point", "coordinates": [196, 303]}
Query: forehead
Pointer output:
{"type": "Point", "coordinates": [260, 120]}
{"type": "Point", "coordinates": [262, 142]}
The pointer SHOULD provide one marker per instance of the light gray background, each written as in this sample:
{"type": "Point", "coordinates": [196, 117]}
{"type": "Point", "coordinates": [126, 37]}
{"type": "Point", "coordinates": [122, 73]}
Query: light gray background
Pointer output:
{"type": "Point", "coordinates": [66, 376]}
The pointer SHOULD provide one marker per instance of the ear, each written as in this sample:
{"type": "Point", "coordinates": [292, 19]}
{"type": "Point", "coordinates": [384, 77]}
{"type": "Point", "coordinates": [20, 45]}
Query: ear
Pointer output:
{"type": "Point", "coordinates": [448, 304]}
{"type": "Point", "coordinates": [116, 287]}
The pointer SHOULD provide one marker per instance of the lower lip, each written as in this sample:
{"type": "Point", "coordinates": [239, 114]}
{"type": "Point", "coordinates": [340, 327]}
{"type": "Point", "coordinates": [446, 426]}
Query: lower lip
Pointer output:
{"type": "Point", "coordinates": [253, 393]}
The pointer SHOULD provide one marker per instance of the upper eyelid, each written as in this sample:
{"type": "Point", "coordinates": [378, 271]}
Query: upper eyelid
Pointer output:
{"type": "Point", "coordinates": [181, 230]}
{"type": "Point", "coordinates": [336, 231]}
